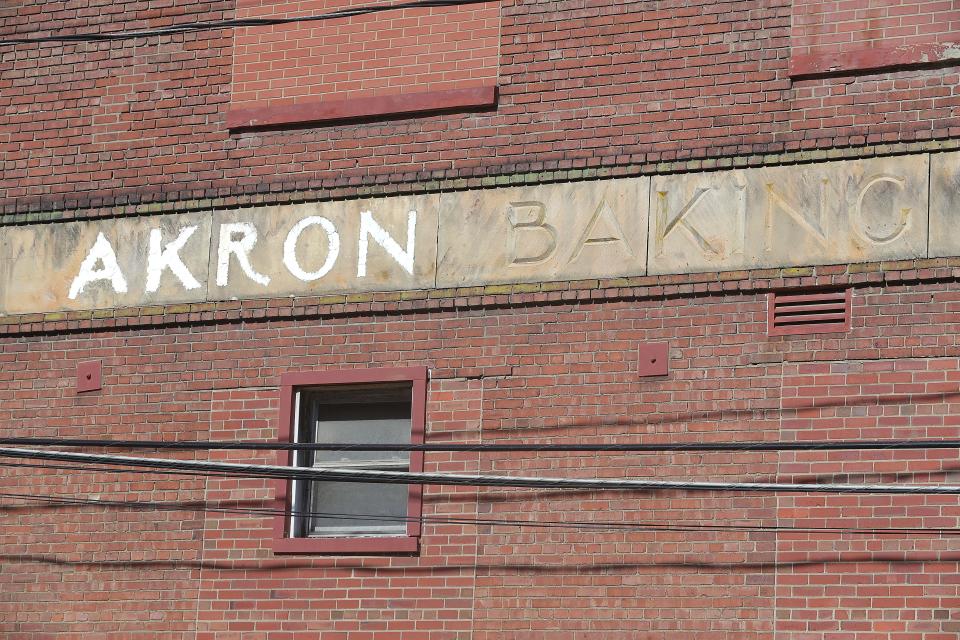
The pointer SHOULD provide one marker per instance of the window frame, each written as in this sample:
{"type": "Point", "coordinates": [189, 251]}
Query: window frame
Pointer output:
{"type": "Point", "coordinates": [290, 384]}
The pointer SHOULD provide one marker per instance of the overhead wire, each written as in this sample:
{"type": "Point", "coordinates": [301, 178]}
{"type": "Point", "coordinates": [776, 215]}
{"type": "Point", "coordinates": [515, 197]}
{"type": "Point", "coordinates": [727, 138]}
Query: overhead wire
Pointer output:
{"type": "Point", "coordinates": [580, 447]}
{"type": "Point", "coordinates": [539, 523]}
{"type": "Point", "coordinates": [449, 479]}
{"type": "Point", "coordinates": [211, 25]}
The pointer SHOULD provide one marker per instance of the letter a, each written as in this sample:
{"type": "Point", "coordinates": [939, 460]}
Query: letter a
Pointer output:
{"type": "Point", "coordinates": [606, 218]}
{"type": "Point", "coordinates": [101, 252]}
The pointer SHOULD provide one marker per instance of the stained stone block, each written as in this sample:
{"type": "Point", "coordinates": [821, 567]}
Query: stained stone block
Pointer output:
{"type": "Point", "coordinates": [833, 212]}
{"type": "Point", "coordinates": [823, 213]}
{"type": "Point", "coordinates": [103, 263]}
{"type": "Point", "coordinates": [945, 205]}
{"type": "Point", "coordinates": [327, 247]}
{"type": "Point", "coordinates": [542, 233]}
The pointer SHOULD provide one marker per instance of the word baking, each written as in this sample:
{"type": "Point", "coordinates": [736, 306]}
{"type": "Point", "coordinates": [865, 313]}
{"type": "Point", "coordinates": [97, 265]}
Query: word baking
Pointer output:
{"type": "Point", "coordinates": [824, 213]}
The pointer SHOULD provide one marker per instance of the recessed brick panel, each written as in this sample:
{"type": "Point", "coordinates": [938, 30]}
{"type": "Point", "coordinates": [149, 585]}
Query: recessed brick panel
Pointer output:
{"type": "Point", "coordinates": [344, 60]}
{"type": "Point", "coordinates": [864, 35]}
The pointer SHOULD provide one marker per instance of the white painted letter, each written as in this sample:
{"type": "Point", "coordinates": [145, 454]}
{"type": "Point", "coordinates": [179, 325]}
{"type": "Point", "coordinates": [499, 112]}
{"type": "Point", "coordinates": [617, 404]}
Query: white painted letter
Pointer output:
{"type": "Point", "coordinates": [290, 248]}
{"type": "Point", "coordinates": [168, 258]}
{"type": "Point", "coordinates": [101, 252]}
{"type": "Point", "coordinates": [369, 226]}
{"type": "Point", "coordinates": [240, 247]}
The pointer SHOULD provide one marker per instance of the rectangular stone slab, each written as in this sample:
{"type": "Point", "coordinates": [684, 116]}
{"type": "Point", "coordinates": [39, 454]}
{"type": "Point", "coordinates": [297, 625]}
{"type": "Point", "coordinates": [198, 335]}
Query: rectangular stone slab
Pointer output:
{"type": "Point", "coordinates": [323, 253]}
{"type": "Point", "coordinates": [44, 263]}
{"type": "Point", "coordinates": [945, 204]}
{"type": "Point", "coordinates": [541, 233]}
{"type": "Point", "coordinates": [820, 213]}
{"type": "Point", "coordinates": [824, 213]}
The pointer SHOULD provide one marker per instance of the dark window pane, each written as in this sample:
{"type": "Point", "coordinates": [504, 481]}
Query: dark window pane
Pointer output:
{"type": "Point", "coordinates": [355, 499]}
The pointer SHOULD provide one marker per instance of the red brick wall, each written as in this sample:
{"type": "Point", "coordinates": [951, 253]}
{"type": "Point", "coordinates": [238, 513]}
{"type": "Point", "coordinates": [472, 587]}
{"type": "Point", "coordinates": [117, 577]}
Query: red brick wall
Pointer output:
{"type": "Point", "coordinates": [608, 85]}
{"type": "Point", "coordinates": [869, 34]}
{"type": "Point", "coordinates": [531, 372]}
{"type": "Point", "coordinates": [892, 584]}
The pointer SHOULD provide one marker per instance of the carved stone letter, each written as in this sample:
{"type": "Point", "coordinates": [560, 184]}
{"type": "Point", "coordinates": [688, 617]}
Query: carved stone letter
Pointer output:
{"type": "Point", "coordinates": [857, 218]}
{"type": "Point", "coordinates": [537, 225]}
{"type": "Point", "coordinates": [665, 225]}
{"type": "Point", "coordinates": [815, 225]}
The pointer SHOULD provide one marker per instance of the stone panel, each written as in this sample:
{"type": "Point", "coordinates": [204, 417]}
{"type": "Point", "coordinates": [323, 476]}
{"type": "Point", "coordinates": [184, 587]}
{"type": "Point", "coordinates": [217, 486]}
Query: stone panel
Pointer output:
{"type": "Point", "coordinates": [325, 256]}
{"type": "Point", "coordinates": [543, 233]}
{"type": "Point", "coordinates": [45, 264]}
{"type": "Point", "coordinates": [833, 212]}
{"type": "Point", "coordinates": [945, 205]}
{"type": "Point", "coordinates": [836, 212]}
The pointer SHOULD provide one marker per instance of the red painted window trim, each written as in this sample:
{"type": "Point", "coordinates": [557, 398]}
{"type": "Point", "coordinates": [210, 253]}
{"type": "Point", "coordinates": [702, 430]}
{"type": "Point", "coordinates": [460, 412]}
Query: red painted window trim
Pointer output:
{"type": "Point", "coordinates": [289, 383]}
{"type": "Point", "coordinates": [319, 111]}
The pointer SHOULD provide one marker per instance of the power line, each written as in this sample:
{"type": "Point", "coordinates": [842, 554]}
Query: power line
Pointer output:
{"type": "Point", "coordinates": [695, 447]}
{"type": "Point", "coordinates": [99, 469]}
{"type": "Point", "coordinates": [449, 479]}
{"type": "Point", "coordinates": [211, 25]}
{"type": "Point", "coordinates": [466, 520]}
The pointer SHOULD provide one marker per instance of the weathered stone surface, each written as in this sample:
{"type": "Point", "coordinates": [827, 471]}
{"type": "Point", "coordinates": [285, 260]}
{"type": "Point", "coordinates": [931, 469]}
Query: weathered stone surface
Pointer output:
{"type": "Point", "coordinates": [44, 263]}
{"type": "Point", "coordinates": [541, 233]}
{"type": "Point", "coordinates": [836, 212]}
{"type": "Point", "coordinates": [945, 205]}
{"type": "Point", "coordinates": [326, 255]}
{"type": "Point", "coordinates": [825, 213]}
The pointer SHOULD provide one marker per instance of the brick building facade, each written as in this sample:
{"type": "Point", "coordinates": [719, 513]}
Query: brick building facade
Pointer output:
{"type": "Point", "coordinates": [498, 102]}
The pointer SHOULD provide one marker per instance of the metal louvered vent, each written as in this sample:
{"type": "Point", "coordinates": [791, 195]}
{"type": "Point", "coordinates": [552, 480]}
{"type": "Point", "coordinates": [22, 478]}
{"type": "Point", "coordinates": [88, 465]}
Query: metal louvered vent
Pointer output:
{"type": "Point", "coordinates": [808, 312]}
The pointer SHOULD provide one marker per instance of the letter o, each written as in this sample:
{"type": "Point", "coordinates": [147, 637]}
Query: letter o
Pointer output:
{"type": "Point", "coordinates": [290, 248]}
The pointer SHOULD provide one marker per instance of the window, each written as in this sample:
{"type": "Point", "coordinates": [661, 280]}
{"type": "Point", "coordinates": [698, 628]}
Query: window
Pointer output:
{"type": "Point", "coordinates": [354, 406]}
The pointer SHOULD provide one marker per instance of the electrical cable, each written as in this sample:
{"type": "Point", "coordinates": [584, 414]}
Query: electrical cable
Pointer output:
{"type": "Point", "coordinates": [99, 469]}
{"type": "Point", "coordinates": [466, 520]}
{"type": "Point", "coordinates": [449, 479]}
{"type": "Point", "coordinates": [211, 25]}
{"type": "Point", "coordinates": [695, 447]}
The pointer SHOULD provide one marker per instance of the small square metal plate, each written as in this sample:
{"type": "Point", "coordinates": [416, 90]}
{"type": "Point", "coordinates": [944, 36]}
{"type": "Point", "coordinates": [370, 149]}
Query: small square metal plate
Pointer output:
{"type": "Point", "coordinates": [654, 359]}
{"type": "Point", "coordinates": [88, 376]}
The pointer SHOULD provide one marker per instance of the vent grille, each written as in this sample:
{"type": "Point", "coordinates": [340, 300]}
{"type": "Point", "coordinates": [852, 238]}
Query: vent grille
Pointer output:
{"type": "Point", "coordinates": [808, 312]}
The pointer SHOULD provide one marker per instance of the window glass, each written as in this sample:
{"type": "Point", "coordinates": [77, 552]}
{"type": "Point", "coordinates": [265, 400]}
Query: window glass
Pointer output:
{"type": "Point", "coordinates": [379, 413]}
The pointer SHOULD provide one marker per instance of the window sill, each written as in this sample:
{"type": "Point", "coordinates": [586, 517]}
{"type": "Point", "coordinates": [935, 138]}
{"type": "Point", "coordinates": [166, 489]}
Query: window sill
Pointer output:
{"type": "Point", "coordinates": [325, 111]}
{"type": "Point", "coordinates": [393, 544]}
{"type": "Point", "coordinates": [872, 60]}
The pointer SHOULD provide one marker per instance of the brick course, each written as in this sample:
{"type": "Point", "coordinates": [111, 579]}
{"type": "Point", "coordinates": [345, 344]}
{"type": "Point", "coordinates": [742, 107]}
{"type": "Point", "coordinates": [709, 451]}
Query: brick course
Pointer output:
{"type": "Point", "coordinates": [408, 51]}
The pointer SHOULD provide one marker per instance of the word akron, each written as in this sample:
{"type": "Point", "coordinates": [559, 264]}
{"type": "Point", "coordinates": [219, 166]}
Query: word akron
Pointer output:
{"type": "Point", "coordinates": [236, 242]}
{"type": "Point", "coordinates": [835, 212]}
